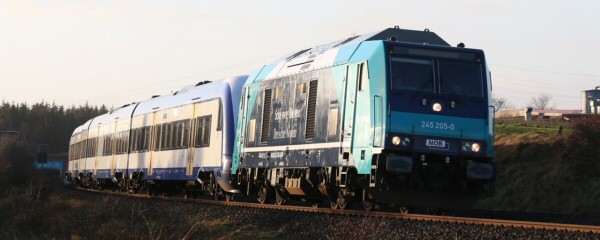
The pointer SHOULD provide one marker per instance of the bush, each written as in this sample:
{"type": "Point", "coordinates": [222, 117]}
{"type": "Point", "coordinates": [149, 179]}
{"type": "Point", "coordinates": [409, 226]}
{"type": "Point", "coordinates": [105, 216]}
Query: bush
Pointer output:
{"type": "Point", "coordinates": [584, 146]}
{"type": "Point", "coordinates": [16, 164]}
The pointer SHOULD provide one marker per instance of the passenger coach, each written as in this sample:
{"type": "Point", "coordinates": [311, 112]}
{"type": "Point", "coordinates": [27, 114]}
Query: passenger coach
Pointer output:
{"type": "Point", "coordinates": [181, 140]}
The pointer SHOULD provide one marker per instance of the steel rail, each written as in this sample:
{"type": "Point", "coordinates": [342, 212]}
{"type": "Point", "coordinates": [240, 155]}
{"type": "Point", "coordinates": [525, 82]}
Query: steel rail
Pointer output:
{"type": "Point", "coordinates": [359, 213]}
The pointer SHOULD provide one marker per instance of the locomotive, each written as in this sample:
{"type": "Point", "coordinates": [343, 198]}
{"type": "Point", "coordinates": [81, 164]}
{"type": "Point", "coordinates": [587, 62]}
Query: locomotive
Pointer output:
{"type": "Point", "coordinates": [394, 117]}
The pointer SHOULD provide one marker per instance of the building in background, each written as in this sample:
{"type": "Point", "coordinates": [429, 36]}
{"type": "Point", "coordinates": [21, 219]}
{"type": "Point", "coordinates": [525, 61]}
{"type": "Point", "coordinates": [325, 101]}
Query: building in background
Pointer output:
{"type": "Point", "coordinates": [590, 101]}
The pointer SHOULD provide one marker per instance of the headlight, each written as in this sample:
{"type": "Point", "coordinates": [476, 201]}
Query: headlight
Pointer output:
{"type": "Point", "coordinates": [437, 107]}
{"type": "Point", "coordinates": [406, 141]}
{"type": "Point", "coordinates": [475, 147]}
{"type": "Point", "coordinates": [471, 147]}
{"type": "Point", "coordinates": [396, 140]}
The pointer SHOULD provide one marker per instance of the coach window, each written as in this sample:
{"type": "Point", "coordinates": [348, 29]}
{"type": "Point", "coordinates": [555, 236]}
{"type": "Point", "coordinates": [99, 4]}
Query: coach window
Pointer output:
{"type": "Point", "coordinates": [157, 137]}
{"type": "Point", "coordinates": [203, 131]}
{"type": "Point", "coordinates": [185, 125]}
{"type": "Point", "coordinates": [134, 139]}
{"type": "Point", "coordinates": [147, 135]}
{"type": "Point", "coordinates": [169, 136]}
{"type": "Point", "coordinates": [177, 136]}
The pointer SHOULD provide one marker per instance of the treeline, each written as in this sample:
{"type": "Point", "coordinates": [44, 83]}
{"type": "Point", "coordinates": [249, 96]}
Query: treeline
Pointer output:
{"type": "Point", "coordinates": [45, 123]}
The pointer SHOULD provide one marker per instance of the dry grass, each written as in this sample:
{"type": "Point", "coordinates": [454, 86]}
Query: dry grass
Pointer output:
{"type": "Point", "coordinates": [549, 172]}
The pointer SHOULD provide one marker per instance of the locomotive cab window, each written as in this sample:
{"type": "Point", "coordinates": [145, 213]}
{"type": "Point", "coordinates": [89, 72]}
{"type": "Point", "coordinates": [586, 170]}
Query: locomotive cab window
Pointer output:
{"type": "Point", "coordinates": [412, 75]}
{"type": "Point", "coordinates": [461, 78]}
{"type": "Point", "coordinates": [454, 77]}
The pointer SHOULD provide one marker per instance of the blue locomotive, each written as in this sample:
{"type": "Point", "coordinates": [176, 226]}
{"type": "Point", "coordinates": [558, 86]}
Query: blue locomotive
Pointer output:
{"type": "Point", "coordinates": [396, 116]}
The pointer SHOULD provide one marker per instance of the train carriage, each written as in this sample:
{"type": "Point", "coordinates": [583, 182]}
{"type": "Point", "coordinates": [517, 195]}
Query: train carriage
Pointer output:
{"type": "Point", "coordinates": [181, 140]}
{"type": "Point", "coordinates": [77, 157]}
{"type": "Point", "coordinates": [390, 117]}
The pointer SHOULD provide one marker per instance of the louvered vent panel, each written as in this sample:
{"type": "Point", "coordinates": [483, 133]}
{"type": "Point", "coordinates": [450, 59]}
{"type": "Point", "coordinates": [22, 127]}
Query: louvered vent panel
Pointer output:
{"type": "Point", "coordinates": [266, 117]}
{"type": "Point", "coordinates": [310, 113]}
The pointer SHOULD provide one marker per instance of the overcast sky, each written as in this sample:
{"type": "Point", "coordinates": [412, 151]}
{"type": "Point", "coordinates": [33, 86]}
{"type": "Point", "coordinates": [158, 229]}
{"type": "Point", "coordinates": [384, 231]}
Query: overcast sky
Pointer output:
{"type": "Point", "coordinates": [118, 52]}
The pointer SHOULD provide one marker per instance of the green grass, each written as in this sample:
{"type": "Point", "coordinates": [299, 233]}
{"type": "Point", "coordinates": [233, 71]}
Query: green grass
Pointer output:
{"type": "Point", "coordinates": [522, 128]}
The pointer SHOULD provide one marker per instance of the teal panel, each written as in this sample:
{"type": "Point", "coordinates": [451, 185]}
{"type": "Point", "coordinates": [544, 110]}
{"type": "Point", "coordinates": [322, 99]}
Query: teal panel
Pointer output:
{"type": "Point", "coordinates": [344, 53]}
{"type": "Point", "coordinates": [433, 125]}
{"type": "Point", "coordinates": [366, 51]}
{"type": "Point", "coordinates": [242, 125]}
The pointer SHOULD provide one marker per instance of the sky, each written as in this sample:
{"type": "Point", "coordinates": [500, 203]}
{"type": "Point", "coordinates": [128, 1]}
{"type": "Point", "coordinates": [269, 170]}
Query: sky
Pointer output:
{"type": "Point", "coordinates": [117, 52]}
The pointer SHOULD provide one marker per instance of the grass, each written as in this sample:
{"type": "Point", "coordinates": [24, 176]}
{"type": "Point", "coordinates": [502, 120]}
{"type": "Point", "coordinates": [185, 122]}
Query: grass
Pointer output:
{"type": "Point", "coordinates": [522, 128]}
{"type": "Point", "coordinates": [63, 213]}
{"type": "Point", "coordinates": [540, 170]}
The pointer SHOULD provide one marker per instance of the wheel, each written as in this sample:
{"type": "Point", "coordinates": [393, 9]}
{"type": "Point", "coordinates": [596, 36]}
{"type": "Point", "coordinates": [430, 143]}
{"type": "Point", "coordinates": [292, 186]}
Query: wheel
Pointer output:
{"type": "Point", "coordinates": [229, 197]}
{"type": "Point", "coordinates": [404, 210]}
{"type": "Point", "coordinates": [263, 193]}
{"type": "Point", "coordinates": [369, 204]}
{"type": "Point", "coordinates": [216, 192]}
{"type": "Point", "coordinates": [96, 184]}
{"type": "Point", "coordinates": [131, 186]}
{"type": "Point", "coordinates": [279, 198]}
{"type": "Point", "coordinates": [342, 201]}
{"type": "Point", "coordinates": [333, 204]}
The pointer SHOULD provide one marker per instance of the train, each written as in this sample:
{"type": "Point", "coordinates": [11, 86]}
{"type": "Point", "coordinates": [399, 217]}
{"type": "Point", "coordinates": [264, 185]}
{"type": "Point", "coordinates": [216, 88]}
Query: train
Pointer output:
{"type": "Point", "coordinates": [396, 117]}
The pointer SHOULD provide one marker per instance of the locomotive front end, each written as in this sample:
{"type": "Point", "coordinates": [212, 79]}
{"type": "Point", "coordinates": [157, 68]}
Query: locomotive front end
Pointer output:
{"type": "Point", "coordinates": [439, 138]}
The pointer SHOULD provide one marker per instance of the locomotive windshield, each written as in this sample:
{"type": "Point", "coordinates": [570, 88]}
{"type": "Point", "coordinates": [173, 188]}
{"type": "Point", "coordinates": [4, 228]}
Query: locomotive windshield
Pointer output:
{"type": "Point", "coordinates": [437, 75]}
{"type": "Point", "coordinates": [460, 78]}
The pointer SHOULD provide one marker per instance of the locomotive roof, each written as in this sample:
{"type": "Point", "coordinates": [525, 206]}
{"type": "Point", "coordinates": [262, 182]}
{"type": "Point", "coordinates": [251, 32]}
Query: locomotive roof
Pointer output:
{"type": "Point", "coordinates": [327, 54]}
{"type": "Point", "coordinates": [390, 34]}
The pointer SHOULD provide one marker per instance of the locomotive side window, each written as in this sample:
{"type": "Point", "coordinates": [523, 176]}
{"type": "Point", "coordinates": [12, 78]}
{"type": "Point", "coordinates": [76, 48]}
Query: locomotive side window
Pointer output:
{"type": "Point", "coordinates": [461, 78]}
{"type": "Point", "coordinates": [333, 122]}
{"type": "Point", "coordinates": [412, 75]}
{"type": "Point", "coordinates": [363, 77]}
{"type": "Point", "coordinates": [279, 93]}
{"type": "Point", "coordinates": [301, 88]}
{"type": "Point", "coordinates": [252, 130]}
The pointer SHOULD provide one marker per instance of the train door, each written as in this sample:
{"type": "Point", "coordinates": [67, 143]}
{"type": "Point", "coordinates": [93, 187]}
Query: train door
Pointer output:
{"type": "Point", "coordinates": [189, 167]}
{"type": "Point", "coordinates": [95, 146]}
{"type": "Point", "coordinates": [349, 108]}
{"type": "Point", "coordinates": [208, 135]}
{"type": "Point", "coordinates": [113, 159]}
{"type": "Point", "coordinates": [154, 141]}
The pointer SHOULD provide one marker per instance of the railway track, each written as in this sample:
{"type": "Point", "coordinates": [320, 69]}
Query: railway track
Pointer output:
{"type": "Point", "coordinates": [373, 214]}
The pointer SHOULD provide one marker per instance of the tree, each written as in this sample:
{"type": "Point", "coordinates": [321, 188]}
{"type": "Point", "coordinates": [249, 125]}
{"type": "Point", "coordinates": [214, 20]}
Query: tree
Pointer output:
{"type": "Point", "coordinates": [543, 101]}
{"type": "Point", "coordinates": [501, 103]}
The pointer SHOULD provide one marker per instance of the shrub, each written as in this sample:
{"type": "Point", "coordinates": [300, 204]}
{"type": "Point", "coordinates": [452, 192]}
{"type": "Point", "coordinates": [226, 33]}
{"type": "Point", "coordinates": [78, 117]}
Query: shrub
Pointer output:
{"type": "Point", "coordinates": [16, 164]}
{"type": "Point", "coordinates": [584, 146]}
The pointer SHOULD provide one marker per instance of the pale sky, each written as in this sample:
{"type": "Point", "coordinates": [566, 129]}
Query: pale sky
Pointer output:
{"type": "Point", "coordinates": [118, 52]}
